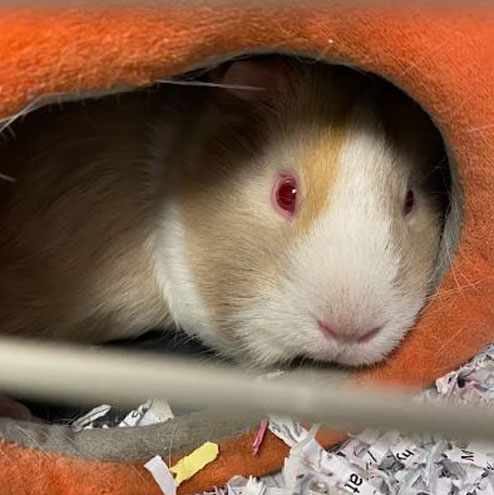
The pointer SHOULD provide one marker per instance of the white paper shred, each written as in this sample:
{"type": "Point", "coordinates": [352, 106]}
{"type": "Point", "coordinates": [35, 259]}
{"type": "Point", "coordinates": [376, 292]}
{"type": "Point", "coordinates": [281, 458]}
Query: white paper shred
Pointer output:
{"type": "Point", "coordinates": [290, 432]}
{"type": "Point", "coordinates": [159, 411]}
{"type": "Point", "coordinates": [86, 422]}
{"type": "Point", "coordinates": [237, 485]}
{"type": "Point", "coordinates": [162, 475]}
{"type": "Point", "coordinates": [151, 412]}
{"type": "Point", "coordinates": [388, 463]}
{"type": "Point", "coordinates": [254, 487]}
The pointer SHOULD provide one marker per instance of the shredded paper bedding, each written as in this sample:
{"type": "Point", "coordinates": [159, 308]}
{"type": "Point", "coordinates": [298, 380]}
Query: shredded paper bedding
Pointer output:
{"type": "Point", "coordinates": [388, 463]}
{"type": "Point", "coordinates": [371, 463]}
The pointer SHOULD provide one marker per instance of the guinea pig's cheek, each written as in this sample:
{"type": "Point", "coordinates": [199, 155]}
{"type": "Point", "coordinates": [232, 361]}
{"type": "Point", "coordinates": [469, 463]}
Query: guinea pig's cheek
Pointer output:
{"type": "Point", "coordinates": [177, 276]}
{"type": "Point", "coordinates": [268, 330]}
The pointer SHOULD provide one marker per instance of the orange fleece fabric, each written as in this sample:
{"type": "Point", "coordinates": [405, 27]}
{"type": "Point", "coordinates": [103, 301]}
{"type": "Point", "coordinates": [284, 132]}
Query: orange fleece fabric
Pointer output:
{"type": "Point", "coordinates": [443, 56]}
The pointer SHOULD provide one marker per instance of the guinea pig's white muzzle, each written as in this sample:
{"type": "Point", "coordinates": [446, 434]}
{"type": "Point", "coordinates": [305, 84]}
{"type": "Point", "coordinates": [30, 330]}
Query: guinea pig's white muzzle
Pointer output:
{"type": "Point", "coordinates": [345, 271]}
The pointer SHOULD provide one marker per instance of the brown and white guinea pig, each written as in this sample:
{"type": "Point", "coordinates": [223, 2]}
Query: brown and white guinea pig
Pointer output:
{"type": "Point", "coordinates": [298, 218]}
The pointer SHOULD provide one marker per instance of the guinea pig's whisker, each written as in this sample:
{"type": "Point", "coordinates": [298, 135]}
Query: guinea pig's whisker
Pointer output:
{"type": "Point", "coordinates": [207, 84]}
{"type": "Point", "coordinates": [456, 290]}
{"type": "Point", "coordinates": [7, 178]}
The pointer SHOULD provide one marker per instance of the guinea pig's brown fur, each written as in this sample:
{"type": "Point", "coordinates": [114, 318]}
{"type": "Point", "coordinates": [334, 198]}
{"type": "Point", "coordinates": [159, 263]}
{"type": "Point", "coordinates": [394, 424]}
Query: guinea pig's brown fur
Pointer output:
{"type": "Point", "coordinates": [74, 261]}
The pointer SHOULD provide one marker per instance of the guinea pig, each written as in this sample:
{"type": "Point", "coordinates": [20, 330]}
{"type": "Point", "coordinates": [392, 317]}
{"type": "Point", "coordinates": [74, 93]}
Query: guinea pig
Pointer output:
{"type": "Point", "coordinates": [293, 210]}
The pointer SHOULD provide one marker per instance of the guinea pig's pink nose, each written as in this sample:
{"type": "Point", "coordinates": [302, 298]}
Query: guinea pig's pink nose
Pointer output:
{"type": "Point", "coordinates": [348, 335]}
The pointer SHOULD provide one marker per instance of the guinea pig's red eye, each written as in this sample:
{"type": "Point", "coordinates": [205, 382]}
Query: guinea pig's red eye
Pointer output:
{"type": "Point", "coordinates": [409, 202]}
{"type": "Point", "coordinates": [285, 194]}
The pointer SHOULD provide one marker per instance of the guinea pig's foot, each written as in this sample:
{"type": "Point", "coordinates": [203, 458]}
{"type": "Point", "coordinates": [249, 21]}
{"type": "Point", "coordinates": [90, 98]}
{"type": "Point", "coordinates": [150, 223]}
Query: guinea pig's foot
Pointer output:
{"type": "Point", "coordinates": [12, 409]}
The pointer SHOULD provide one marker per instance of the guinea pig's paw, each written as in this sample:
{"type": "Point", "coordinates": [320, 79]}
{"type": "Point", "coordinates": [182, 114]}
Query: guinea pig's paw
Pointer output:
{"type": "Point", "coordinates": [12, 409]}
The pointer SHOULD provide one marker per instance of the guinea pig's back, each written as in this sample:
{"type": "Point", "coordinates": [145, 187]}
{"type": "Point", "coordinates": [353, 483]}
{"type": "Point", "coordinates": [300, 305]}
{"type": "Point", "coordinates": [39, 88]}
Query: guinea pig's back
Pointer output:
{"type": "Point", "coordinates": [74, 225]}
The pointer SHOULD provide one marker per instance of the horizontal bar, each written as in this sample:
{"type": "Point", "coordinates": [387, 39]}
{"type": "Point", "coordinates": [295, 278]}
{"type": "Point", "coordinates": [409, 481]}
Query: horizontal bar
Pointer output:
{"type": "Point", "coordinates": [89, 374]}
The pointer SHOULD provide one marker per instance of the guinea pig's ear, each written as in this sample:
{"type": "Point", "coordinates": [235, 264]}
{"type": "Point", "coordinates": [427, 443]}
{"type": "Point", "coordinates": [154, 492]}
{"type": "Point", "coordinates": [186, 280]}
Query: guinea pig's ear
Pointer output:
{"type": "Point", "coordinates": [250, 80]}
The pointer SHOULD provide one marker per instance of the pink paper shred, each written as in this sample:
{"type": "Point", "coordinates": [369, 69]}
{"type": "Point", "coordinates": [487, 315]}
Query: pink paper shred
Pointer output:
{"type": "Point", "coordinates": [256, 444]}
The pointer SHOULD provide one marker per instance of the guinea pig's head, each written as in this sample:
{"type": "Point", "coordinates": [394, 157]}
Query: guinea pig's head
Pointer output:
{"type": "Point", "coordinates": [311, 217]}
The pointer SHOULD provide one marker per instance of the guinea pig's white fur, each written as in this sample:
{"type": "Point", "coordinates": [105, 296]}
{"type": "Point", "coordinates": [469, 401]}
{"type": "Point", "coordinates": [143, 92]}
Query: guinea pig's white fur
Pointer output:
{"type": "Point", "coordinates": [166, 215]}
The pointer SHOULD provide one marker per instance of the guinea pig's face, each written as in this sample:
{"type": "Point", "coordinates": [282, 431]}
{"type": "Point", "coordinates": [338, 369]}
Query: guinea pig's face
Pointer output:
{"type": "Point", "coordinates": [353, 271]}
{"type": "Point", "coordinates": [317, 241]}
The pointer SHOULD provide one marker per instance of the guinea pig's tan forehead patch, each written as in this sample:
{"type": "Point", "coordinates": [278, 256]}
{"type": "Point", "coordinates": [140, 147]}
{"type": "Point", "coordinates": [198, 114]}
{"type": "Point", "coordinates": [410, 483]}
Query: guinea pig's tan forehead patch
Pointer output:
{"type": "Point", "coordinates": [318, 161]}
{"type": "Point", "coordinates": [317, 110]}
